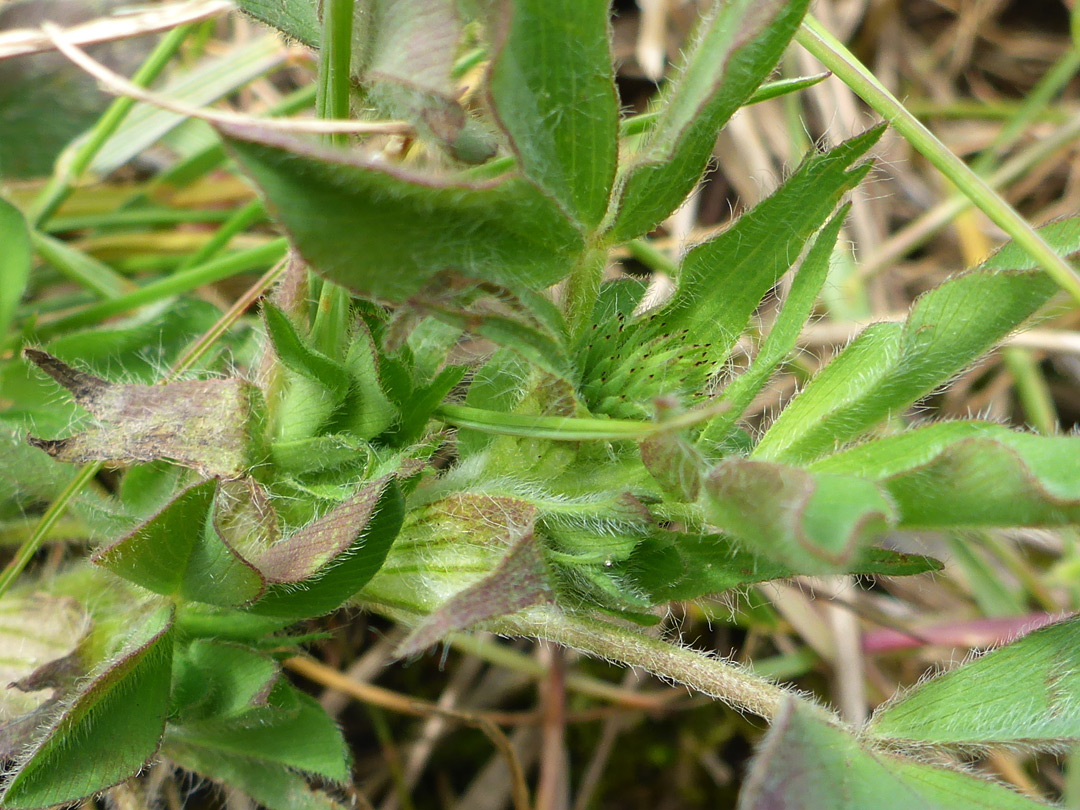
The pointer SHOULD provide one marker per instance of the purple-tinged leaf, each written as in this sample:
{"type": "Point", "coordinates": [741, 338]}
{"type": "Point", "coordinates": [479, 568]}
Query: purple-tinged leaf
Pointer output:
{"type": "Point", "coordinates": [212, 426]}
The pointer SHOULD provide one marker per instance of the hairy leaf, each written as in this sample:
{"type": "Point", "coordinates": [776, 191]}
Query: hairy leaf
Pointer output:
{"type": "Point", "coordinates": [264, 781]}
{"type": "Point", "coordinates": [675, 349]}
{"type": "Point", "coordinates": [213, 426]}
{"type": "Point", "coordinates": [388, 231]}
{"type": "Point", "coordinates": [890, 366]}
{"type": "Point", "coordinates": [781, 339]}
{"type": "Point", "coordinates": [1025, 693]}
{"type": "Point", "coordinates": [180, 552]}
{"type": "Point", "coordinates": [816, 523]}
{"type": "Point", "coordinates": [220, 679]}
{"type": "Point", "coordinates": [519, 581]}
{"type": "Point", "coordinates": [970, 474]}
{"type": "Point", "coordinates": [806, 763]}
{"type": "Point", "coordinates": [292, 730]}
{"type": "Point", "coordinates": [552, 89]}
{"type": "Point", "coordinates": [298, 19]}
{"type": "Point", "coordinates": [736, 45]}
{"type": "Point", "coordinates": [326, 562]}
{"type": "Point", "coordinates": [676, 566]}
{"type": "Point", "coordinates": [96, 740]}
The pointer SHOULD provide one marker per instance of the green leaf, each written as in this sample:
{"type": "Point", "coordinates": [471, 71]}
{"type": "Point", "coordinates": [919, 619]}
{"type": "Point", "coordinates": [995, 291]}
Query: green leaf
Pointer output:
{"type": "Point", "coordinates": [781, 339]}
{"type": "Point", "coordinates": [736, 45]}
{"type": "Point", "coordinates": [1024, 693]}
{"type": "Point", "coordinates": [367, 411]}
{"type": "Point", "coordinates": [97, 739]}
{"type": "Point", "coordinates": [292, 730]}
{"type": "Point", "coordinates": [677, 566]}
{"type": "Point", "coordinates": [389, 232]}
{"type": "Point", "coordinates": [264, 781]}
{"type": "Point", "coordinates": [318, 568]}
{"type": "Point", "coordinates": [813, 522]}
{"type": "Point", "coordinates": [890, 366]}
{"type": "Point", "coordinates": [654, 354]}
{"type": "Point", "coordinates": [298, 19]}
{"type": "Point", "coordinates": [179, 552]}
{"type": "Point", "coordinates": [970, 474]}
{"type": "Point", "coordinates": [296, 355]}
{"type": "Point", "coordinates": [527, 322]}
{"type": "Point", "coordinates": [520, 580]}
{"type": "Point", "coordinates": [552, 89]}
{"type": "Point", "coordinates": [220, 679]}
{"type": "Point", "coordinates": [15, 257]}
{"type": "Point", "coordinates": [806, 763]}
{"type": "Point", "coordinates": [212, 426]}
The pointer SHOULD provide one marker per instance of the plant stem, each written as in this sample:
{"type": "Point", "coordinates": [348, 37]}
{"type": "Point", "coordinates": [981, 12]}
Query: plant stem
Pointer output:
{"type": "Point", "coordinates": [837, 58]}
{"type": "Point", "coordinates": [715, 677]}
{"type": "Point", "coordinates": [581, 289]}
{"type": "Point", "coordinates": [70, 170]}
{"type": "Point", "coordinates": [239, 221]}
{"type": "Point", "coordinates": [335, 56]}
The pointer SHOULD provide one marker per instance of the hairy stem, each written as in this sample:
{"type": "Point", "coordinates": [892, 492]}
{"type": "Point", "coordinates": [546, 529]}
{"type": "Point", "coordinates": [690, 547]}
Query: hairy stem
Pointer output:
{"type": "Point", "coordinates": [727, 682]}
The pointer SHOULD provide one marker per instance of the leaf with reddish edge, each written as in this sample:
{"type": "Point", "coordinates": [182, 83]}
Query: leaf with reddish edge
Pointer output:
{"type": "Point", "coordinates": [179, 552]}
{"type": "Point", "coordinates": [808, 763]}
{"type": "Point", "coordinates": [815, 523]}
{"type": "Point", "coordinates": [520, 580]}
{"type": "Point", "coordinates": [386, 230]}
{"type": "Point", "coordinates": [212, 426]}
{"type": "Point", "coordinates": [318, 568]}
{"type": "Point", "coordinates": [108, 731]}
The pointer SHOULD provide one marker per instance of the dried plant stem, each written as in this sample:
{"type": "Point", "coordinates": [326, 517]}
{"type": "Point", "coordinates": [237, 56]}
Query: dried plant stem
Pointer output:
{"type": "Point", "coordinates": [729, 683]}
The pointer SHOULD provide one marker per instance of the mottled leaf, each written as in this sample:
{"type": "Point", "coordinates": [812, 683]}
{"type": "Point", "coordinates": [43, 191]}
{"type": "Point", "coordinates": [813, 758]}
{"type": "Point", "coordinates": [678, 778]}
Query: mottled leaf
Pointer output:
{"type": "Point", "coordinates": [387, 231]}
{"type": "Point", "coordinates": [1025, 693]}
{"type": "Point", "coordinates": [180, 552]}
{"type": "Point", "coordinates": [96, 739]}
{"type": "Point", "coordinates": [806, 763]}
{"type": "Point", "coordinates": [552, 88]}
{"type": "Point", "coordinates": [736, 46]}
{"type": "Point", "coordinates": [815, 523]}
{"type": "Point", "coordinates": [212, 426]}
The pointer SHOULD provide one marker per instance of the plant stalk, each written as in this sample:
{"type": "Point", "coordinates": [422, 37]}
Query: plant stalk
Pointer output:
{"type": "Point", "coordinates": [729, 683]}
{"type": "Point", "coordinates": [837, 58]}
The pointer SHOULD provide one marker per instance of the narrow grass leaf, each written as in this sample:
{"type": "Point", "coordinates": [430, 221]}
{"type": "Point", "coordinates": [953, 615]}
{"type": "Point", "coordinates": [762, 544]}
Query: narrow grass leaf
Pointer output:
{"type": "Point", "coordinates": [15, 256]}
